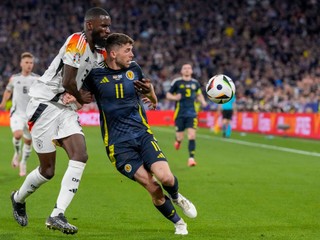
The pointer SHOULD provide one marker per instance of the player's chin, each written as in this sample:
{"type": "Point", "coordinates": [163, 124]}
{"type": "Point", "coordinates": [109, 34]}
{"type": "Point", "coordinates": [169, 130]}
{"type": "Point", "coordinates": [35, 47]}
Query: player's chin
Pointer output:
{"type": "Point", "coordinates": [128, 63]}
{"type": "Point", "coordinates": [101, 42]}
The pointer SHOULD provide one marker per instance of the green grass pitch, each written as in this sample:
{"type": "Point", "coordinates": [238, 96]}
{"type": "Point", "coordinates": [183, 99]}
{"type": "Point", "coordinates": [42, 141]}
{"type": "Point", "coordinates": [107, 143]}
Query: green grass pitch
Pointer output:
{"type": "Point", "coordinates": [247, 187]}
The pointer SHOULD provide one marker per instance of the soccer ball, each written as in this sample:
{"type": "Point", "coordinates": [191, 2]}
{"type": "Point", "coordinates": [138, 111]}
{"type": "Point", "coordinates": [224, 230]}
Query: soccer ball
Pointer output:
{"type": "Point", "coordinates": [220, 89]}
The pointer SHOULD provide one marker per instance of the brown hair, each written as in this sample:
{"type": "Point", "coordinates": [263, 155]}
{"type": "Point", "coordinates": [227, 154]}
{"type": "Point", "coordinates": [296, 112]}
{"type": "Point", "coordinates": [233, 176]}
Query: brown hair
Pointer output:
{"type": "Point", "coordinates": [117, 39]}
{"type": "Point", "coordinates": [26, 55]}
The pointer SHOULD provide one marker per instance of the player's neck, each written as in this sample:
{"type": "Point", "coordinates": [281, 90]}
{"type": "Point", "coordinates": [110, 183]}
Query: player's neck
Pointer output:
{"type": "Point", "coordinates": [25, 73]}
{"type": "Point", "coordinates": [186, 78]}
{"type": "Point", "coordinates": [112, 65]}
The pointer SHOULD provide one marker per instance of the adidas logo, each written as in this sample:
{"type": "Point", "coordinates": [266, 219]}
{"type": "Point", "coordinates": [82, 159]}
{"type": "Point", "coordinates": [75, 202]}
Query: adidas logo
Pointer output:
{"type": "Point", "coordinates": [161, 155]}
{"type": "Point", "coordinates": [87, 60]}
{"type": "Point", "coordinates": [74, 190]}
{"type": "Point", "coordinates": [104, 80]}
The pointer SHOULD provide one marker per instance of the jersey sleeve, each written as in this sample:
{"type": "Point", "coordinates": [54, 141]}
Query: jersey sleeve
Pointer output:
{"type": "Point", "coordinates": [198, 91]}
{"type": "Point", "coordinates": [75, 48]}
{"type": "Point", "coordinates": [137, 70]}
{"type": "Point", "coordinates": [10, 86]}
{"type": "Point", "coordinates": [173, 87]}
{"type": "Point", "coordinates": [87, 83]}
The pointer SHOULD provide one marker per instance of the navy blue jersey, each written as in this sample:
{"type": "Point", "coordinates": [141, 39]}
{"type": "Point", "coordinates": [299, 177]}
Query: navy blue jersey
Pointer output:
{"type": "Point", "coordinates": [122, 116]}
{"type": "Point", "coordinates": [189, 90]}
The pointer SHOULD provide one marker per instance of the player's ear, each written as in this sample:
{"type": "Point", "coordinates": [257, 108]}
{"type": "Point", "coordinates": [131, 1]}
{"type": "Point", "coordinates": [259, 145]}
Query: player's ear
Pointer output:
{"type": "Point", "coordinates": [112, 54]}
{"type": "Point", "coordinates": [89, 25]}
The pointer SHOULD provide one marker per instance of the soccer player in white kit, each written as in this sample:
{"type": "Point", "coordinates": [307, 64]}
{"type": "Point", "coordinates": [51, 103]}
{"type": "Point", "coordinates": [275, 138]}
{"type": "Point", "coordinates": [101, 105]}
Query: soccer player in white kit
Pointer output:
{"type": "Point", "coordinates": [53, 123]}
{"type": "Point", "coordinates": [18, 87]}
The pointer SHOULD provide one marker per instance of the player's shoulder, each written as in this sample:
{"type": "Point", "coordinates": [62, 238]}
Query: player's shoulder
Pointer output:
{"type": "Point", "coordinates": [16, 75]}
{"type": "Point", "coordinates": [134, 64]}
{"type": "Point", "coordinates": [176, 80]}
{"type": "Point", "coordinates": [76, 40]}
{"type": "Point", "coordinates": [77, 37]}
{"type": "Point", "coordinates": [32, 74]}
{"type": "Point", "coordinates": [194, 80]}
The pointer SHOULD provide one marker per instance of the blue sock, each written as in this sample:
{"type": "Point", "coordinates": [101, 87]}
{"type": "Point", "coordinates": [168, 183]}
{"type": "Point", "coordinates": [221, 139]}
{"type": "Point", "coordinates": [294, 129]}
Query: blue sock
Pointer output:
{"type": "Point", "coordinates": [168, 210]}
{"type": "Point", "coordinates": [228, 131]}
{"type": "Point", "coordinates": [192, 147]}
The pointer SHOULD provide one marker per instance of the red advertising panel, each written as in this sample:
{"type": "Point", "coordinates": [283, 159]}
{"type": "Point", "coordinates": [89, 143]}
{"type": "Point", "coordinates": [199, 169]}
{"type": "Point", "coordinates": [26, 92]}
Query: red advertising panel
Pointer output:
{"type": "Point", "coordinates": [305, 125]}
{"type": "Point", "coordinates": [4, 118]}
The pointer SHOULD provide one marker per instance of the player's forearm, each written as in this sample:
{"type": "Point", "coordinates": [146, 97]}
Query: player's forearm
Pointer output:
{"type": "Point", "coordinates": [202, 100]}
{"type": "Point", "coordinates": [69, 82]}
{"type": "Point", "coordinates": [6, 97]}
{"type": "Point", "coordinates": [72, 89]}
{"type": "Point", "coordinates": [152, 96]}
{"type": "Point", "coordinates": [171, 97]}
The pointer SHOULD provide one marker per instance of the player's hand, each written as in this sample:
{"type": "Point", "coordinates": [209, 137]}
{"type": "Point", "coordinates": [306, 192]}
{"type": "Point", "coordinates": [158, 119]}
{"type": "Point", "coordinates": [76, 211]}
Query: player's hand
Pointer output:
{"type": "Point", "coordinates": [71, 101]}
{"type": "Point", "coordinates": [204, 104]}
{"type": "Point", "coordinates": [151, 105]}
{"type": "Point", "coordinates": [67, 98]}
{"type": "Point", "coordinates": [178, 96]}
{"type": "Point", "coordinates": [143, 86]}
{"type": "Point", "coordinates": [86, 96]}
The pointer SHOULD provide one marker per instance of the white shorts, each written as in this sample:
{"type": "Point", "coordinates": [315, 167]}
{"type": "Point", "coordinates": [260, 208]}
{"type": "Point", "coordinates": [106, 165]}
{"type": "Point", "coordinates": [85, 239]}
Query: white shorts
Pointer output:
{"type": "Point", "coordinates": [50, 121]}
{"type": "Point", "coordinates": [20, 122]}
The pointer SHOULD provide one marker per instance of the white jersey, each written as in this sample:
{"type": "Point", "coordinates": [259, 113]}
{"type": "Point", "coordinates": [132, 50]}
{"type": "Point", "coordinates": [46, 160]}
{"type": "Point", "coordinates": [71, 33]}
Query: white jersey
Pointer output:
{"type": "Point", "coordinates": [75, 52]}
{"type": "Point", "coordinates": [19, 85]}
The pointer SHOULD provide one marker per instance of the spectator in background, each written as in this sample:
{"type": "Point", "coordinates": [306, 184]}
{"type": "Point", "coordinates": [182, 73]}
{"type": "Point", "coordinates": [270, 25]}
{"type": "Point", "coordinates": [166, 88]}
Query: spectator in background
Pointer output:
{"type": "Point", "coordinates": [261, 43]}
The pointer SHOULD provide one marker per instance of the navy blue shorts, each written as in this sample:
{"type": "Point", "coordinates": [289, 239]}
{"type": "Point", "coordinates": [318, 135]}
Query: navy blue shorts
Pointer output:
{"type": "Point", "coordinates": [183, 123]}
{"type": "Point", "coordinates": [227, 114]}
{"type": "Point", "coordinates": [128, 156]}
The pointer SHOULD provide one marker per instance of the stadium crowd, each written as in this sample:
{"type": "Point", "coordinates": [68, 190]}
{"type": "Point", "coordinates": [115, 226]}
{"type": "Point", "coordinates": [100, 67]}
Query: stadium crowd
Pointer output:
{"type": "Point", "coordinates": [269, 48]}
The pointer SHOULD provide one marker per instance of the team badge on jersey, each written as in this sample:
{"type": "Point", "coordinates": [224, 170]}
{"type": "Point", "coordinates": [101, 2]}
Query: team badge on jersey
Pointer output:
{"type": "Point", "coordinates": [76, 58]}
{"type": "Point", "coordinates": [128, 168]}
{"type": "Point", "coordinates": [39, 143]}
{"type": "Point", "coordinates": [130, 75]}
{"type": "Point", "coordinates": [193, 86]}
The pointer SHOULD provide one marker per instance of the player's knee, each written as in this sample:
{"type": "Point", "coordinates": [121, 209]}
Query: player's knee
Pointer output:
{"type": "Point", "coordinates": [167, 179]}
{"type": "Point", "coordinates": [81, 157]}
{"type": "Point", "coordinates": [17, 136]}
{"type": "Point", "coordinates": [48, 173]}
{"type": "Point", "coordinates": [28, 141]}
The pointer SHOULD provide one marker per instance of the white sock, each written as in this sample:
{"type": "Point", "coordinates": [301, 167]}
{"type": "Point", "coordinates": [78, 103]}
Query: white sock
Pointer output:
{"type": "Point", "coordinates": [26, 150]}
{"type": "Point", "coordinates": [16, 145]}
{"type": "Point", "coordinates": [69, 186]}
{"type": "Point", "coordinates": [32, 182]}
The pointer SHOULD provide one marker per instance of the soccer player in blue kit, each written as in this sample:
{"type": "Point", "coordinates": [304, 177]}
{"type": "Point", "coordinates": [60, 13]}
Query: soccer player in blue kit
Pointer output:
{"type": "Point", "coordinates": [119, 88]}
{"type": "Point", "coordinates": [186, 90]}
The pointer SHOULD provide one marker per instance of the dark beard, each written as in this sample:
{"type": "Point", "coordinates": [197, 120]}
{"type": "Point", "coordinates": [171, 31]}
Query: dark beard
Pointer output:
{"type": "Point", "coordinates": [97, 40]}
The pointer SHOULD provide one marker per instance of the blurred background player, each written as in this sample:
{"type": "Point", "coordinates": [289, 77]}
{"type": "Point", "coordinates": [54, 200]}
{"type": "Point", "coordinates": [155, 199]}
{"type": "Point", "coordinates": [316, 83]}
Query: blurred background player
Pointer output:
{"type": "Point", "coordinates": [186, 91]}
{"type": "Point", "coordinates": [18, 88]}
{"type": "Point", "coordinates": [227, 110]}
{"type": "Point", "coordinates": [53, 123]}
